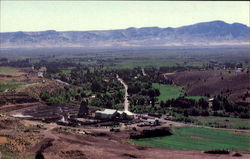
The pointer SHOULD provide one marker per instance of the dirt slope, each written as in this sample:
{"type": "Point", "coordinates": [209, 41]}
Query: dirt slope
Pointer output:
{"type": "Point", "coordinates": [213, 82]}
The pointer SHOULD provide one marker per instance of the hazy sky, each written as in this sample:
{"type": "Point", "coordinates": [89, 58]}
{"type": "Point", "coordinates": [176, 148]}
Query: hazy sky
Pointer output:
{"type": "Point", "coordinates": [98, 15]}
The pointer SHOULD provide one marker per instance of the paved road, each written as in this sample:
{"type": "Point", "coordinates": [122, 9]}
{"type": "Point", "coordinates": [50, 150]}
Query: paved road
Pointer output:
{"type": "Point", "coordinates": [126, 102]}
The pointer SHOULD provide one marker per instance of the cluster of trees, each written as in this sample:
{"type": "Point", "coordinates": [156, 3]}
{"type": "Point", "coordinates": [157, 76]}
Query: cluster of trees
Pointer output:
{"type": "Point", "coordinates": [189, 107]}
{"type": "Point", "coordinates": [180, 105]}
{"type": "Point", "coordinates": [232, 65]}
{"type": "Point", "coordinates": [102, 83]}
{"type": "Point", "coordinates": [221, 106]}
{"type": "Point", "coordinates": [98, 85]}
{"type": "Point", "coordinates": [4, 60]}
{"type": "Point", "coordinates": [139, 87]}
{"type": "Point", "coordinates": [54, 67]}
{"type": "Point", "coordinates": [111, 101]}
{"type": "Point", "coordinates": [67, 95]}
{"type": "Point", "coordinates": [19, 63]}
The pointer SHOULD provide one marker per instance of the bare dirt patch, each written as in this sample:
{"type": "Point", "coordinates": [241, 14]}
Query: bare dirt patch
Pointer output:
{"type": "Point", "coordinates": [3, 139]}
{"type": "Point", "coordinates": [240, 133]}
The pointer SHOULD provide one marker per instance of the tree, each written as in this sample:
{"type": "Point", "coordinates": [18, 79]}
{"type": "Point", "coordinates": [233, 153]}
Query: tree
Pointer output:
{"type": "Point", "coordinates": [83, 94]}
{"type": "Point", "coordinates": [162, 104]}
{"type": "Point", "coordinates": [216, 105]}
{"type": "Point", "coordinates": [96, 87]}
{"type": "Point", "coordinates": [157, 92]}
{"type": "Point", "coordinates": [203, 103]}
{"type": "Point", "coordinates": [83, 111]}
{"type": "Point", "coordinates": [151, 93]}
{"type": "Point", "coordinates": [185, 113]}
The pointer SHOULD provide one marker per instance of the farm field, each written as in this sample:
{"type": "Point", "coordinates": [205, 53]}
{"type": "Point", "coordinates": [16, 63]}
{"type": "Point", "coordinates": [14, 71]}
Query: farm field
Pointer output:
{"type": "Point", "coordinates": [193, 138]}
{"type": "Point", "coordinates": [168, 91]}
{"type": "Point", "coordinates": [194, 97]}
{"type": "Point", "coordinates": [4, 70]}
{"type": "Point", "coordinates": [226, 122]}
{"type": "Point", "coordinates": [9, 85]}
{"type": "Point", "coordinates": [130, 64]}
{"type": "Point", "coordinates": [171, 92]}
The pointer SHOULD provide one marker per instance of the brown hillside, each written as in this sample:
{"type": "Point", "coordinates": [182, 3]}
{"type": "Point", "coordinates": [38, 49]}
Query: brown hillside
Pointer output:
{"type": "Point", "coordinates": [213, 82]}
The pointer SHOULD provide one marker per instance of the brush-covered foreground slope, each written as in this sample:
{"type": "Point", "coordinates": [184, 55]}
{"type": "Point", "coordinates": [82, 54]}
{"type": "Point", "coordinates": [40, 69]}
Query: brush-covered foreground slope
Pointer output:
{"type": "Point", "coordinates": [206, 33]}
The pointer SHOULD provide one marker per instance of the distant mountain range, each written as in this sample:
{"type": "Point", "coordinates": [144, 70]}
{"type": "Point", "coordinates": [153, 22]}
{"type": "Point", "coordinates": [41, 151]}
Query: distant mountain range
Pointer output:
{"type": "Point", "coordinates": [204, 34]}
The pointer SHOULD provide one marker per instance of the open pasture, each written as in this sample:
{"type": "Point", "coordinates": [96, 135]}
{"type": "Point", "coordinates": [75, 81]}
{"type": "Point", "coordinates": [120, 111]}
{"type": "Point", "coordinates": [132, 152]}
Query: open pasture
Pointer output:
{"type": "Point", "coordinates": [194, 138]}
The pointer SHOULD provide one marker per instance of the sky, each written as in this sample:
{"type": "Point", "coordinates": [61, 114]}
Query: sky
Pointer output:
{"type": "Point", "coordinates": [105, 15]}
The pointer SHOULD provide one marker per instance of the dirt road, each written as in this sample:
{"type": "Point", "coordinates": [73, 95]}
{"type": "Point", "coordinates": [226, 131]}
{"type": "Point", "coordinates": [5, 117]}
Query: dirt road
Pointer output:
{"type": "Point", "coordinates": [143, 72]}
{"type": "Point", "coordinates": [126, 102]}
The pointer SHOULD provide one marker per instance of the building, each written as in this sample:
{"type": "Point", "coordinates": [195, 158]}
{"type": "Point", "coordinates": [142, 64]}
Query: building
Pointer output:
{"type": "Point", "coordinates": [238, 71]}
{"type": "Point", "coordinates": [106, 114]}
{"type": "Point", "coordinates": [43, 69]}
{"type": "Point", "coordinates": [210, 102]}
{"type": "Point", "coordinates": [40, 74]}
{"type": "Point", "coordinates": [112, 113]}
{"type": "Point", "coordinates": [129, 115]}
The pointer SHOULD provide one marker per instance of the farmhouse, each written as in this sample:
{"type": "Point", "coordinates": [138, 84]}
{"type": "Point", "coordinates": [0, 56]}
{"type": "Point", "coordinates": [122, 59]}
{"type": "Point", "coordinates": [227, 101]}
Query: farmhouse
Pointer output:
{"type": "Point", "coordinates": [40, 74]}
{"type": "Point", "coordinates": [41, 71]}
{"type": "Point", "coordinates": [238, 71]}
{"type": "Point", "coordinates": [112, 113]}
{"type": "Point", "coordinates": [126, 115]}
{"type": "Point", "coordinates": [210, 102]}
{"type": "Point", "coordinates": [129, 115]}
{"type": "Point", "coordinates": [106, 114]}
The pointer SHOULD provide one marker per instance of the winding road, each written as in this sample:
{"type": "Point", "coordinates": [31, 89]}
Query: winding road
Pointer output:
{"type": "Point", "coordinates": [143, 72]}
{"type": "Point", "coordinates": [126, 102]}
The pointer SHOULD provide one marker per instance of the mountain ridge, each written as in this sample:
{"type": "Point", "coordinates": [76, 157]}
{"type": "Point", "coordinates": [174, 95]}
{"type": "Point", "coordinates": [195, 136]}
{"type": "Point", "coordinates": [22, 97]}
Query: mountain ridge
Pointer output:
{"type": "Point", "coordinates": [203, 33]}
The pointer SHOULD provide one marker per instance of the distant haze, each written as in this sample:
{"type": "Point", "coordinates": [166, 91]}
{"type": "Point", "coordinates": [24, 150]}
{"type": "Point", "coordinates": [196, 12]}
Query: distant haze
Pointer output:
{"type": "Point", "coordinates": [212, 33]}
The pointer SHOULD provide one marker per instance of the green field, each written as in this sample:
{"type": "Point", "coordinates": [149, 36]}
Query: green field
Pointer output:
{"type": "Point", "coordinates": [130, 64]}
{"type": "Point", "coordinates": [168, 91]}
{"type": "Point", "coordinates": [8, 70]}
{"type": "Point", "coordinates": [194, 97]}
{"type": "Point", "coordinates": [9, 86]}
{"type": "Point", "coordinates": [226, 122]}
{"type": "Point", "coordinates": [193, 138]}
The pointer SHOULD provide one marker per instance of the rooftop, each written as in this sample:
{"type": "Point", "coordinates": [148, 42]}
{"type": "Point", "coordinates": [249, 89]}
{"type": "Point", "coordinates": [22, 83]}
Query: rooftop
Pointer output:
{"type": "Point", "coordinates": [108, 111]}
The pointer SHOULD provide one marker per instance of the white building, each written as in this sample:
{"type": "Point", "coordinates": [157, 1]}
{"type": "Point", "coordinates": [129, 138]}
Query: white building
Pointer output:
{"type": "Point", "coordinates": [210, 102]}
{"type": "Point", "coordinates": [129, 115]}
{"type": "Point", "coordinates": [40, 74]}
{"type": "Point", "coordinates": [112, 113]}
{"type": "Point", "coordinates": [106, 114]}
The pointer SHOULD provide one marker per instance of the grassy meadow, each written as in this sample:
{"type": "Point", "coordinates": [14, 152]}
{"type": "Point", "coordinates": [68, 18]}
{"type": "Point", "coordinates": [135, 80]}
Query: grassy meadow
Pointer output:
{"type": "Point", "coordinates": [168, 91]}
{"type": "Point", "coordinates": [193, 138]}
{"type": "Point", "coordinates": [8, 70]}
{"type": "Point", "coordinates": [194, 97]}
{"type": "Point", "coordinates": [10, 85]}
